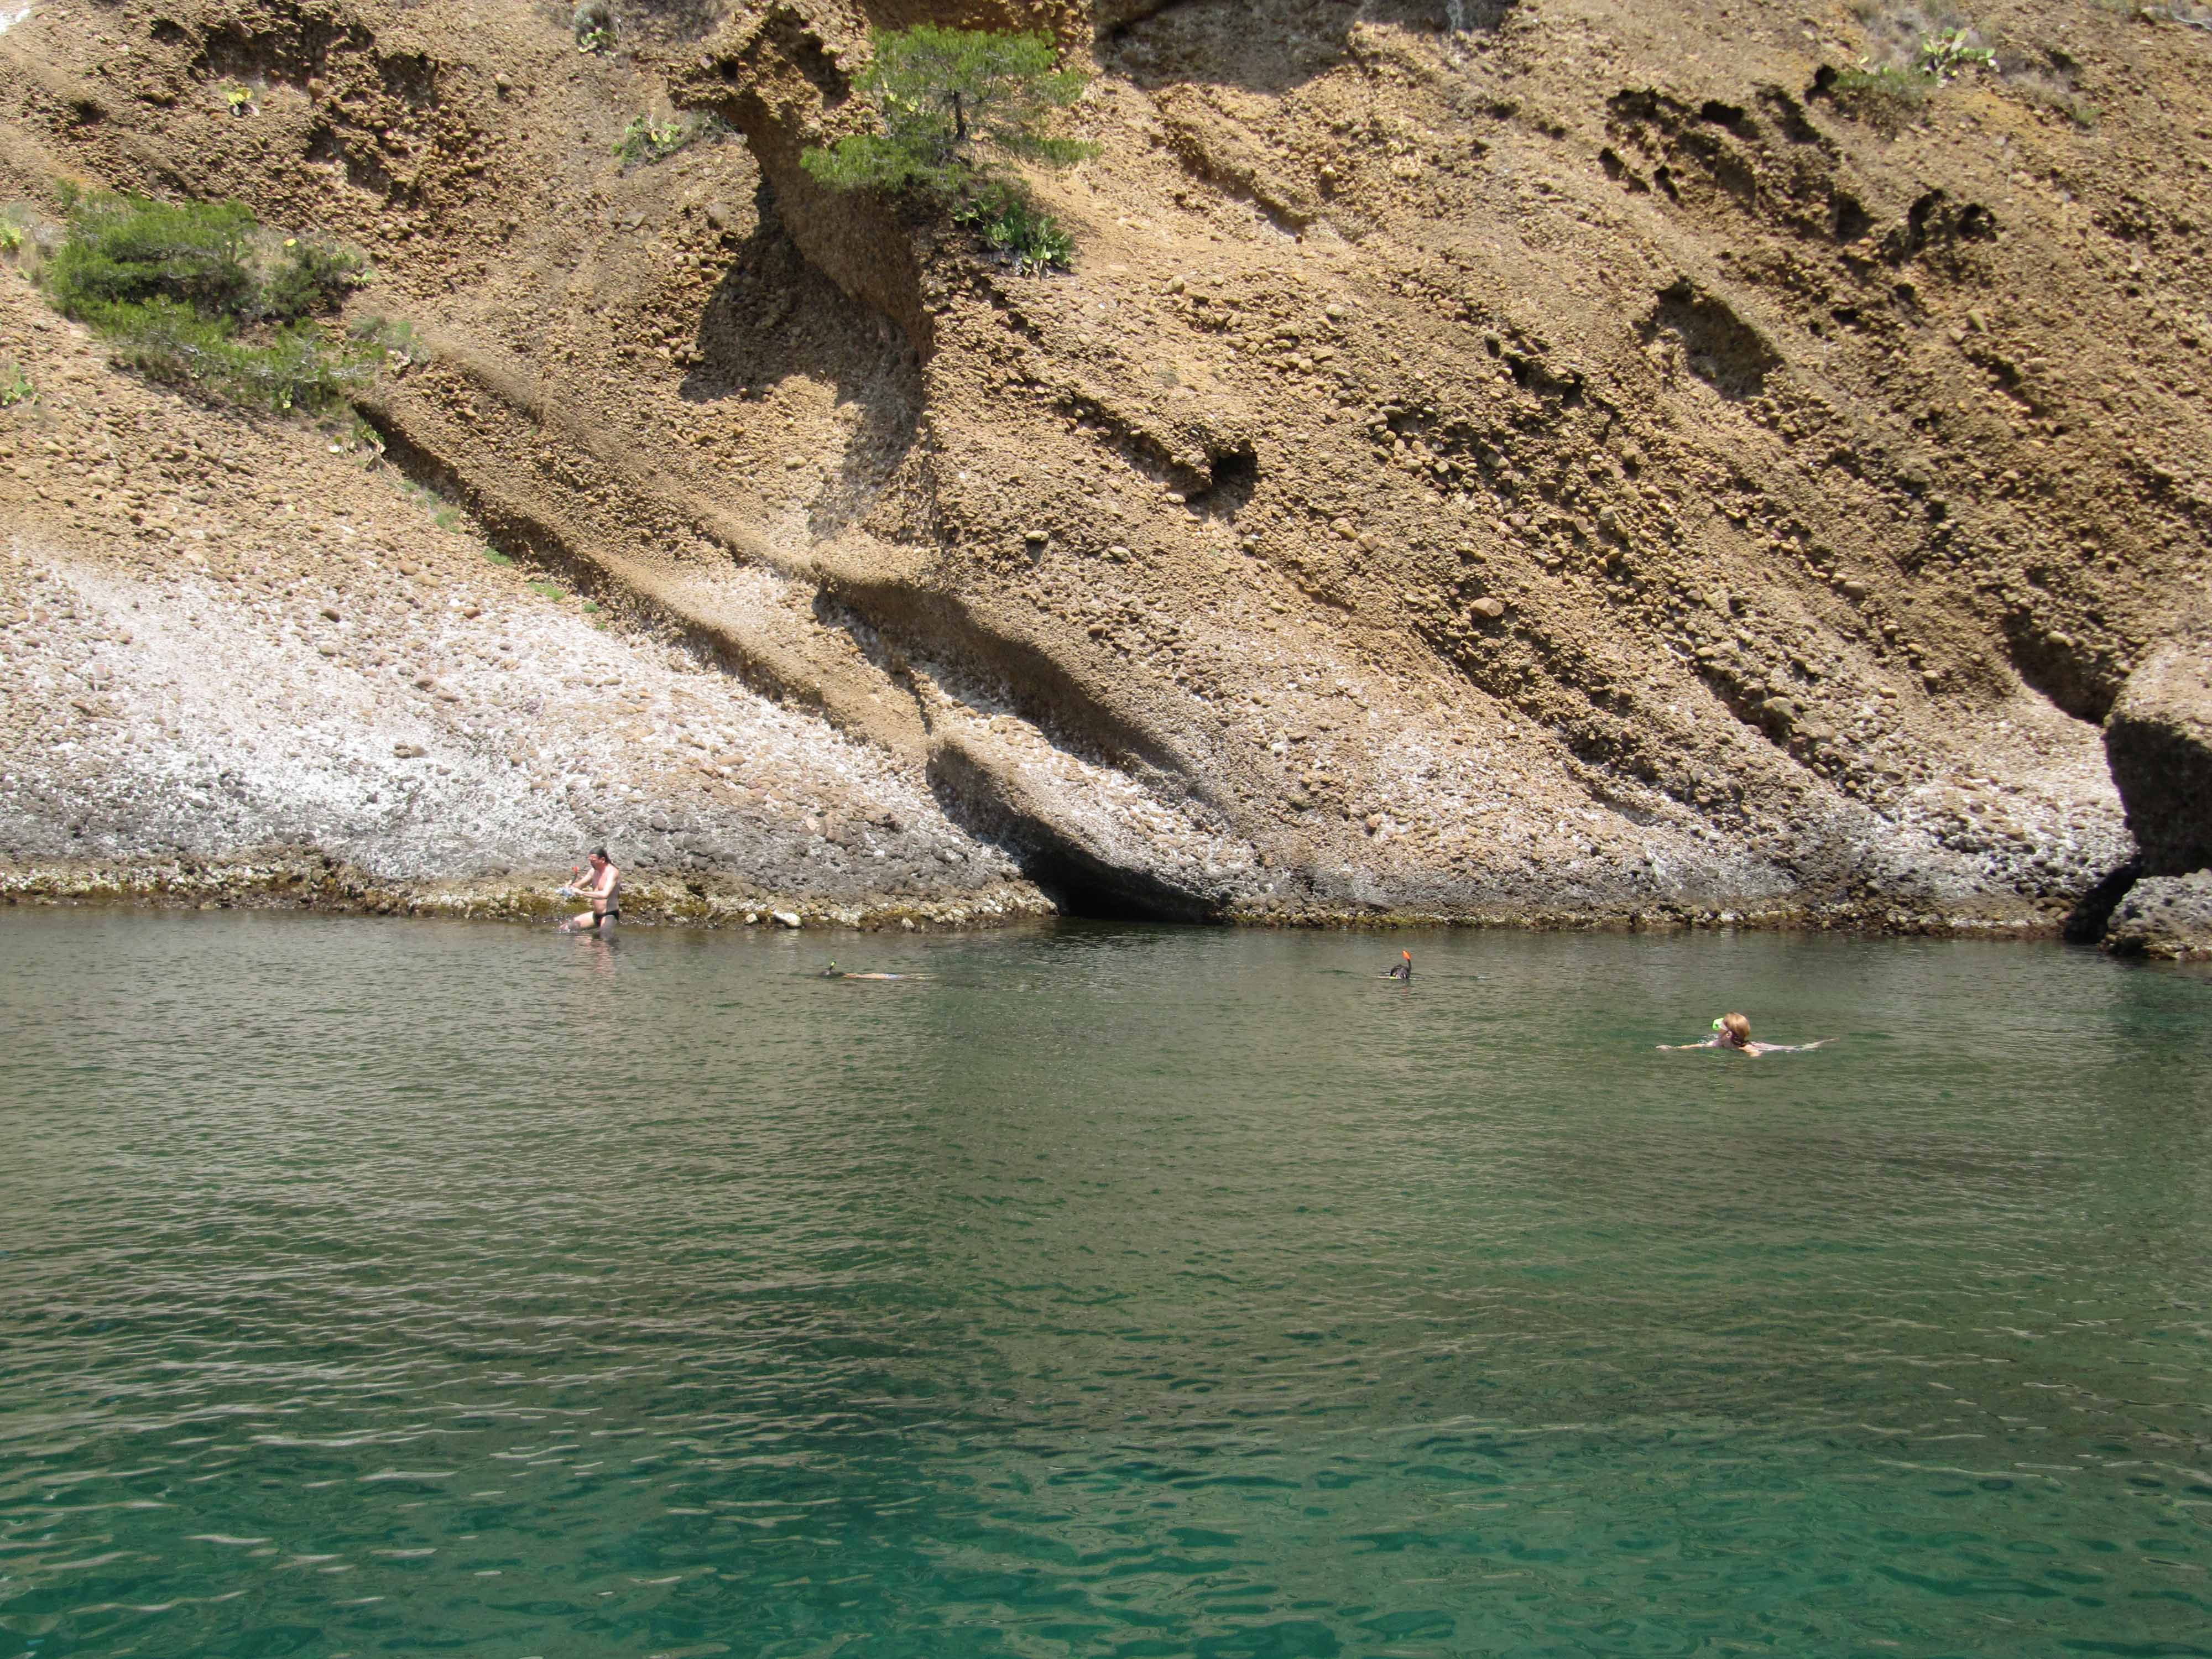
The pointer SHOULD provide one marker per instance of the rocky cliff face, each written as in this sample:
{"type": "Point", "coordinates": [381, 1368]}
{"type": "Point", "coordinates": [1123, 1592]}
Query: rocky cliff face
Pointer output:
{"type": "Point", "coordinates": [2159, 736]}
{"type": "Point", "coordinates": [1567, 460]}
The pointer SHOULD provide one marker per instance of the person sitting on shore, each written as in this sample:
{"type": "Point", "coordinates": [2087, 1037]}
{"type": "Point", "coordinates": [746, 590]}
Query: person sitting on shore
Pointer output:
{"type": "Point", "coordinates": [604, 889]}
{"type": "Point", "coordinates": [1734, 1032]}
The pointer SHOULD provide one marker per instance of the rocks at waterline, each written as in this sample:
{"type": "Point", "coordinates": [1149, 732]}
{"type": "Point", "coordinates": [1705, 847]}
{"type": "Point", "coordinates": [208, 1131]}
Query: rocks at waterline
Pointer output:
{"type": "Point", "coordinates": [2167, 916]}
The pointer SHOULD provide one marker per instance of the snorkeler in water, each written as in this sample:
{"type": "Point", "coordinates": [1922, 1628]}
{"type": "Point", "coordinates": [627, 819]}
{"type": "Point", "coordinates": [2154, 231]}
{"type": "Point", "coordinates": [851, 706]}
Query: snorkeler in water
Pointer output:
{"type": "Point", "coordinates": [834, 972]}
{"type": "Point", "coordinates": [1734, 1032]}
{"type": "Point", "coordinates": [1404, 971]}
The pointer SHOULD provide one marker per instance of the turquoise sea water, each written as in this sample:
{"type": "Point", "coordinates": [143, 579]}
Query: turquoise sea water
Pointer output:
{"type": "Point", "coordinates": [389, 1287]}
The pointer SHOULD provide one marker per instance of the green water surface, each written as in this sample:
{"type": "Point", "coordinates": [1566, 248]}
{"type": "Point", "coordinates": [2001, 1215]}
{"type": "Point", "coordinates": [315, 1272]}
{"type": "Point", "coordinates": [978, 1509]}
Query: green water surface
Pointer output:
{"type": "Point", "coordinates": [389, 1287]}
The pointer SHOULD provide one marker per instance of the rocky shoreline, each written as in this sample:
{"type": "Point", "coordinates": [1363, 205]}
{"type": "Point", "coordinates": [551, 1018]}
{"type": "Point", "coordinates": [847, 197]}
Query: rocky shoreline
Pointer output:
{"type": "Point", "coordinates": [303, 879]}
{"type": "Point", "coordinates": [1302, 556]}
{"type": "Point", "coordinates": [2163, 918]}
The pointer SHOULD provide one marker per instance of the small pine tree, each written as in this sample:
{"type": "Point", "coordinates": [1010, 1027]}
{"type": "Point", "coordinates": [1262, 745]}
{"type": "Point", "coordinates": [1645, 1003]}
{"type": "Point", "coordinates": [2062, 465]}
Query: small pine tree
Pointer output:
{"type": "Point", "coordinates": [191, 294]}
{"type": "Point", "coordinates": [946, 99]}
{"type": "Point", "coordinates": [129, 250]}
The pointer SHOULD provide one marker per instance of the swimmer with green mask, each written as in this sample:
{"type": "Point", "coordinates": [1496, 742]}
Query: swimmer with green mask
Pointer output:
{"type": "Point", "coordinates": [1734, 1032]}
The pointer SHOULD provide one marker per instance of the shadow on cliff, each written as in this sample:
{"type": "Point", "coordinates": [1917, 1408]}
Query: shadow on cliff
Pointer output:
{"type": "Point", "coordinates": [774, 317]}
{"type": "Point", "coordinates": [680, 21]}
{"type": "Point", "coordinates": [1270, 45]}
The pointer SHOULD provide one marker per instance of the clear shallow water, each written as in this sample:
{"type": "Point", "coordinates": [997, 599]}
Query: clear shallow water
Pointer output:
{"type": "Point", "coordinates": [391, 1287]}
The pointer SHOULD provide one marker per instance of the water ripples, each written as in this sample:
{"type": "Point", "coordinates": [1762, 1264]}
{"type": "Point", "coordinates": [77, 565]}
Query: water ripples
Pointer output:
{"type": "Point", "coordinates": [374, 1287]}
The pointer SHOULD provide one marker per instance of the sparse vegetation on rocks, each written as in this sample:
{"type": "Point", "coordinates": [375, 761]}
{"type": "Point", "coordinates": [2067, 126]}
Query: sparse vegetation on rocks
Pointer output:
{"type": "Point", "coordinates": [1894, 81]}
{"type": "Point", "coordinates": [1010, 224]}
{"type": "Point", "coordinates": [594, 25]}
{"type": "Point", "coordinates": [593, 22]}
{"type": "Point", "coordinates": [647, 140]}
{"type": "Point", "coordinates": [1884, 94]}
{"type": "Point", "coordinates": [397, 339]}
{"type": "Point", "coordinates": [1949, 53]}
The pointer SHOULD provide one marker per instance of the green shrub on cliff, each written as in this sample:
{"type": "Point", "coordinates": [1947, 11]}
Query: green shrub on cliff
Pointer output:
{"type": "Point", "coordinates": [126, 250]}
{"type": "Point", "coordinates": [1949, 53]}
{"type": "Point", "coordinates": [593, 24]}
{"type": "Point", "coordinates": [1008, 222]}
{"type": "Point", "coordinates": [645, 141]}
{"type": "Point", "coordinates": [952, 105]}
{"type": "Point", "coordinates": [1889, 92]}
{"type": "Point", "coordinates": [943, 96]}
{"type": "Point", "coordinates": [310, 278]}
{"type": "Point", "coordinates": [192, 294]}
{"type": "Point", "coordinates": [1884, 94]}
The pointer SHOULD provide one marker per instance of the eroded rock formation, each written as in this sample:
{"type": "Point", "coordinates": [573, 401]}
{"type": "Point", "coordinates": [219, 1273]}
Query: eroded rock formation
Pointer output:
{"type": "Point", "coordinates": [1487, 461]}
{"type": "Point", "coordinates": [2159, 736]}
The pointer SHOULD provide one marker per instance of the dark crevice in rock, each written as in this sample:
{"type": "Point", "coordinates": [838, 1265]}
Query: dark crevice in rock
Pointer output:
{"type": "Point", "coordinates": [2050, 664]}
{"type": "Point", "coordinates": [2086, 922]}
{"type": "Point", "coordinates": [1231, 478]}
{"type": "Point", "coordinates": [1935, 220]}
{"type": "Point", "coordinates": [1081, 886]}
{"type": "Point", "coordinates": [1205, 465]}
{"type": "Point", "coordinates": [1721, 349]}
{"type": "Point", "coordinates": [1081, 880]}
{"type": "Point", "coordinates": [1850, 218]}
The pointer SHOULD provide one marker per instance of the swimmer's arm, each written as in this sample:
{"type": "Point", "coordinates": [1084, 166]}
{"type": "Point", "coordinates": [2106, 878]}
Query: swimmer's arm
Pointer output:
{"type": "Point", "coordinates": [1683, 1047]}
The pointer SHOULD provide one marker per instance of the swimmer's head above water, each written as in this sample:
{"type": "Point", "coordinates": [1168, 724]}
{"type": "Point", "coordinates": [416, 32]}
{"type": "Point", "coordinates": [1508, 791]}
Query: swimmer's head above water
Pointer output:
{"type": "Point", "coordinates": [1732, 1032]}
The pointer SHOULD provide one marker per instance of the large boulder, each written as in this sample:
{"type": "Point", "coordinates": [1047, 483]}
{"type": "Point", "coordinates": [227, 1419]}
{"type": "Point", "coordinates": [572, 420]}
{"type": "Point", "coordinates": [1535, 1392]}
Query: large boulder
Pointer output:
{"type": "Point", "coordinates": [2157, 739]}
{"type": "Point", "coordinates": [2166, 916]}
